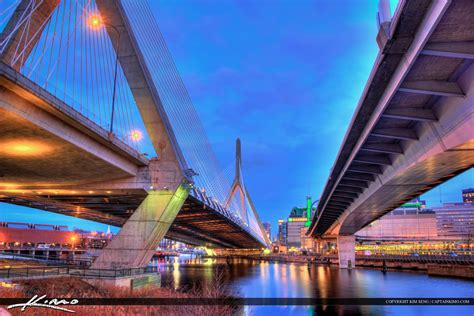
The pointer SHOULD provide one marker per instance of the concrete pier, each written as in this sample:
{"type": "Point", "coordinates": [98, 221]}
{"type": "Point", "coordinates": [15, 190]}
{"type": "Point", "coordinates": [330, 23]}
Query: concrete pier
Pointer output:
{"type": "Point", "coordinates": [136, 242]}
{"type": "Point", "coordinates": [346, 251]}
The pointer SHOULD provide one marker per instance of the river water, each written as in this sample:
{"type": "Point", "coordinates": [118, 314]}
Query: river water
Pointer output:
{"type": "Point", "coordinates": [273, 280]}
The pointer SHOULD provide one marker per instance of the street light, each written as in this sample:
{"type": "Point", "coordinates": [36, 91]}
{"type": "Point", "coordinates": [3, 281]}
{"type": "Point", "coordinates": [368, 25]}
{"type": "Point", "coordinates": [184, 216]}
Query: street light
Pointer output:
{"type": "Point", "coordinates": [136, 135]}
{"type": "Point", "coordinates": [96, 22]}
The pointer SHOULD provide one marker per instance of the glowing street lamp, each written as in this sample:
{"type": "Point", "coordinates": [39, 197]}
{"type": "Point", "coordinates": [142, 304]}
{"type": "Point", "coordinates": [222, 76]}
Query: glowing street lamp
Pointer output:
{"type": "Point", "coordinates": [136, 135]}
{"type": "Point", "coordinates": [95, 22]}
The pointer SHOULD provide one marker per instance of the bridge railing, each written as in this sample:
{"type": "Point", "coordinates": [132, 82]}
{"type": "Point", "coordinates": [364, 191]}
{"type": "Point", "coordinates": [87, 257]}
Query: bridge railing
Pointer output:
{"type": "Point", "coordinates": [460, 259]}
{"type": "Point", "coordinates": [46, 259]}
{"type": "Point", "coordinates": [31, 272]}
{"type": "Point", "coordinates": [201, 196]}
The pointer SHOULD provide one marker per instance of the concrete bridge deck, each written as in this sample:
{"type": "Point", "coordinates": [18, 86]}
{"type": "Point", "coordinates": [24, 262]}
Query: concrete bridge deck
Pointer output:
{"type": "Point", "coordinates": [414, 125]}
{"type": "Point", "coordinates": [55, 159]}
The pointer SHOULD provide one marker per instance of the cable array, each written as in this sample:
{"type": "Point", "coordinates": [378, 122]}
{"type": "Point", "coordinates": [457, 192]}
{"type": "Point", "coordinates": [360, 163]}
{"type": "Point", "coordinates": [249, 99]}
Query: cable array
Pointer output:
{"type": "Point", "coordinates": [75, 62]}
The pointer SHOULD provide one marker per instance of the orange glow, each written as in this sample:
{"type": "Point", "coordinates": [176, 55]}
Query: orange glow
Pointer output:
{"type": "Point", "coordinates": [24, 148]}
{"type": "Point", "coordinates": [95, 21]}
{"type": "Point", "coordinates": [9, 185]}
{"type": "Point", "coordinates": [136, 135]}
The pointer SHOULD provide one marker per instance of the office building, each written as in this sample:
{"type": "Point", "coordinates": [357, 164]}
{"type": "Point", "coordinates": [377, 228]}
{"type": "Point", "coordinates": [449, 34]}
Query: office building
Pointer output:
{"type": "Point", "coordinates": [468, 195]}
{"type": "Point", "coordinates": [268, 229]}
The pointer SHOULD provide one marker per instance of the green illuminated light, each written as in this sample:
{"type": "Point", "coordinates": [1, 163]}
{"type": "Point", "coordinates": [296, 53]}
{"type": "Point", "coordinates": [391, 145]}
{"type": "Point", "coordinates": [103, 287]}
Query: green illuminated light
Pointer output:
{"type": "Point", "coordinates": [308, 208]}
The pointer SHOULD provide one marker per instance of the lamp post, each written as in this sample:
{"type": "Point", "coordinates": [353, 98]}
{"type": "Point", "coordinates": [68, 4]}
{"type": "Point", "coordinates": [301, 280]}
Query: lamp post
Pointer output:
{"type": "Point", "coordinates": [96, 23]}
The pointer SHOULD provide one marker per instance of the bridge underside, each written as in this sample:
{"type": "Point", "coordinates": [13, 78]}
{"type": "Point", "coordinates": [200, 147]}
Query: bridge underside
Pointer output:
{"type": "Point", "coordinates": [413, 128]}
{"type": "Point", "coordinates": [56, 160]}
{"type": "Point", "coordinates": [195, 223]}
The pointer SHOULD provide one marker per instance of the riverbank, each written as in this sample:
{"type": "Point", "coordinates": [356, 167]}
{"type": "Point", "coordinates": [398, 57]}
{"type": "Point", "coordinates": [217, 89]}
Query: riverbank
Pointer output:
{"type": "Point", "coordinates": [75, 288]}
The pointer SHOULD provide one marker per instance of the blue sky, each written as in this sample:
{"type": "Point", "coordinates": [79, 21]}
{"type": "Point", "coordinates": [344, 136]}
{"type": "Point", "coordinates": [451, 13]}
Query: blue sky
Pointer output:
{"type": "Point", "coordinates": [285, 77]}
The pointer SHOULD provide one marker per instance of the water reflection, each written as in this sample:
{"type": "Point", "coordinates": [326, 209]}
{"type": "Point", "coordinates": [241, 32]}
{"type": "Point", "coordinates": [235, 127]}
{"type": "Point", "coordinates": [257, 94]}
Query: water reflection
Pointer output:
{"type": "Point", "coordinates": [262, 279]}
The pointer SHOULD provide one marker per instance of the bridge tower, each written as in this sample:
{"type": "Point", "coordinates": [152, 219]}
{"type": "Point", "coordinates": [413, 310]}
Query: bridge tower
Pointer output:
{"type": "Point", "coordinates": [239, 187]}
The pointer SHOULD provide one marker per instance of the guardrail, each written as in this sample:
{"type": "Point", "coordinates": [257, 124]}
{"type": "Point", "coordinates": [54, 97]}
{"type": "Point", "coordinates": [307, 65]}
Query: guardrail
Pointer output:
{"type": "Point", "coordinates": [46, 259]}
{"type": "Point", "coordinates": [462, 259]}
{"type": "Point", "coordinates": [10, 273]}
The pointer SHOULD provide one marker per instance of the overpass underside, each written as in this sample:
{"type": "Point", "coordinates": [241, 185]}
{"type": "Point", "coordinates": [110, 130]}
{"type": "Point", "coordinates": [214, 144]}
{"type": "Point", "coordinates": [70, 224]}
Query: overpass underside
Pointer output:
{"type": "Point", "coordinates": [414, 126]}
{"type": "Point", "coordinates": [54, 159]}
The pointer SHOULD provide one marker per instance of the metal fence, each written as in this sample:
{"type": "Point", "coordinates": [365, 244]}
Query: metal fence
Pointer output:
{"type": "Point", "coordinates": [10, 273]}
{"type": "Point", "coordinates": [46, 259]}
{"type": "Point", "coordinates": [461, 259]}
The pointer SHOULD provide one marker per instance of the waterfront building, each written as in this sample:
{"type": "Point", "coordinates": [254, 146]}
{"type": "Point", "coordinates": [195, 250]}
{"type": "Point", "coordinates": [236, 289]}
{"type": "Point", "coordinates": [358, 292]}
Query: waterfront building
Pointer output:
{"type": "Point", "coordinates": [49, 241]}
{"type": "Point", "coordinates": [296, 221]}
{"type": "Point", "coordinates": [468, 195]}
{"type": "Point", "coordinates": [411, 220]}
{"type": "Point", "coordinates": [268, 229]}
{"type": "Point", "coordinates": [455, 220]}
{"type": "Point", "coordinates": [282, 232]}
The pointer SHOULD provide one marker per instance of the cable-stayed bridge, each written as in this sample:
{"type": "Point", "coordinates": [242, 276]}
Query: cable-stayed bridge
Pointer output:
{"type": "Point", "coordinates": [86, 87]}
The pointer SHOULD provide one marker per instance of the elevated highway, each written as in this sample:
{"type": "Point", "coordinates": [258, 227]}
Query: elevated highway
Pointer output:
{"type": "Point", "coordinates": [413, 128]}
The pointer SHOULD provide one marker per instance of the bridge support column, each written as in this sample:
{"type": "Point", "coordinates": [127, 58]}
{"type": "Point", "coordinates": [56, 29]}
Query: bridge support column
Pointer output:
{"type": "Point", "coordinates": [346, 251]}
{"type": "Point", "coordinates": [136, 242]}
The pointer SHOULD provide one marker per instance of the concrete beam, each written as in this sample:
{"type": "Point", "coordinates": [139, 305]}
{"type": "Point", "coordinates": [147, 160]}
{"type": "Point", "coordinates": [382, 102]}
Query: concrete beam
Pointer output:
{"type": "Point", "coordinates": [365, 168]}
{"type": "Point", "coordinates": [358, 176]}
{"type": "Point", "coordinates": [339, 202]}
{"type": "Point", "coordinates": [395, 133]}
{"type": "Point", "coordinates": [330, 216]}
{"type": "Point", "coordinates": [349, 189]}
{"type": "Point", "coordinates": [463, 50]}
{"type": "Point", "coordinates": [383, 148]}
{"type": "Point", "coordinates": [411, 114]}
{"type": "Point", "coordinates": [354, 183]}
{"type": "Point", "coordinates": [382, 160]}
{"type": "Point", "coordinates": [136, 242]}
{"type": "Point", "coordinates": [335, 198]}
{"type": "Point", "coordinates": [339, 210]}
{"type": "Point", "coordinates": [433, 87]}
{"type": "Point", "coordinates": [340, 193]}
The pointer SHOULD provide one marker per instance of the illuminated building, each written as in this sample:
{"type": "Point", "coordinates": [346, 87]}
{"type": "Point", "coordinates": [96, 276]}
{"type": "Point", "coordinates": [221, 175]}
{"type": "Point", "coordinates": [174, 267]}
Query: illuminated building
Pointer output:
{"type": "Point", "coordinates": [414, 229]}
{"type": "Point", "coordinates": [298, 219]}
{"type": "Point", "coordinates": [455, 220]}
{"type": "Point", "coordinates": [268, 229]}
{"type": "Point", "coordinates": [282, 232]}
{"type": "Point", "coordinates": [48, 241]}
{"type": "Point", "coordinates": [39, 240]}
{"type": "Point", "coordinates": [411, 220]}
{"type": "Point", "coordinates": [468, 195]}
